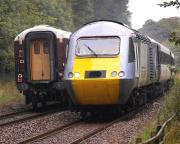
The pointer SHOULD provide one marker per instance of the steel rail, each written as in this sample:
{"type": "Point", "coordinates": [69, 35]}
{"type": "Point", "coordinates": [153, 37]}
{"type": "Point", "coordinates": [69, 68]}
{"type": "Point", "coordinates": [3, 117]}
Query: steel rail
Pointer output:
{"type": "Point", "coordinates": [28, 117]}
{"type": "Point", "coordinates": [5, 116]}
{"type": "Point", "coordinates": [50, 132]}
{"type": "Point", "coordinates": [73, 124]}
{"type": "Point", "coordinates": [104, 127]}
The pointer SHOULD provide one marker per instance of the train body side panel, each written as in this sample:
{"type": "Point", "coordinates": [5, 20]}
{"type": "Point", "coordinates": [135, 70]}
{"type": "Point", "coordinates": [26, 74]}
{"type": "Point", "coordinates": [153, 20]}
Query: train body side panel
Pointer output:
{"type": "Point", "coordinates": [165, 73]}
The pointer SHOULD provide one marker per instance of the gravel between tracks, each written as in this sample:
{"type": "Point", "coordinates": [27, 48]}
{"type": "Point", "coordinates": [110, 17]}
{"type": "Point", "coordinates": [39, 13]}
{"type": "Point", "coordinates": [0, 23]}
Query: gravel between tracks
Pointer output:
{"type": "Point", "coordinates": [70, 135]}
{"type": "Point", "coordinates": [121, 132]}
{"type": "Point", "coordinates": [125, 131]}
{"type": "Point", "coordinates": [19, 132]}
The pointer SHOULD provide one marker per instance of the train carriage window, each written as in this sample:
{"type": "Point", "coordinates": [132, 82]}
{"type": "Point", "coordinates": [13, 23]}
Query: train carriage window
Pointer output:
{"type": "Point", "coordinates": [36, 48]}
{"type": "Point", "coordinates": [165, 58]}
{"type": "Point", "coordinates": [46, 46]}
{"type": "Point", "coordinates": [131, 51]}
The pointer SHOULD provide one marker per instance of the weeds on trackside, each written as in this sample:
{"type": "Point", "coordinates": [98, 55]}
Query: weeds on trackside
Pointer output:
{"type": "Point", "coordinates": [171, 105]}
{"type": "Point", "coordinates": [8, 91]}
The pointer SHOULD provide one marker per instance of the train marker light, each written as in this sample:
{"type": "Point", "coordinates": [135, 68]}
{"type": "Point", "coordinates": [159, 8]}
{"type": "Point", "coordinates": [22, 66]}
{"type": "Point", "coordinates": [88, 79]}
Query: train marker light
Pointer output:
{"type": "Point", "coordinates": [20, 76]}
{"type": "Point", "coordinates": [70, 75]}
{"type": "Point", "coordinates": [114, 74]}
{"type": "Point", "coordinates": [76, 75]}
{"type": "Point", "coordinates": [121, 73]}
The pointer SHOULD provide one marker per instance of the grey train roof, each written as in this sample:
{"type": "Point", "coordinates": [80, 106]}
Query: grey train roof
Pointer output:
{"type": "Point", "coordinates": [103, 28]}
{"type": "Point", "coordinates": [112, 28]}
{"type": "Point", "coordinates": [58, 32]}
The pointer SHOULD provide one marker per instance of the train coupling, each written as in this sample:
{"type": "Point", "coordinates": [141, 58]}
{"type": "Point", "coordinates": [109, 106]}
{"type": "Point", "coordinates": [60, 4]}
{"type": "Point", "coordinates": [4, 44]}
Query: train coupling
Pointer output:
{"type": "Point", "coordinates": [59, 85]}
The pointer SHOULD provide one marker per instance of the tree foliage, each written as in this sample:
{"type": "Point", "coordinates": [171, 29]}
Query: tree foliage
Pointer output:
{"type": "Point", "coordinates": [166, 31]}
{"type": "Point", "coordinates": [173, 36]}
{"type": "Point", "coordinates": [155, 30]}
{"type": "Point", "coordinates": [90, 10]}
{"type": "Point", "coordinates": [18, 15]}
{"type": "Point", "coordinates": [175, 3]}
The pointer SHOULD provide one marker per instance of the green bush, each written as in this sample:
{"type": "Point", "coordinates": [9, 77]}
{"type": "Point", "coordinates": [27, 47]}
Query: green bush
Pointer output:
{"type": "Point", "coordinates": [171, 105]}
{"type": "Point", "coordinates": [9, 93]}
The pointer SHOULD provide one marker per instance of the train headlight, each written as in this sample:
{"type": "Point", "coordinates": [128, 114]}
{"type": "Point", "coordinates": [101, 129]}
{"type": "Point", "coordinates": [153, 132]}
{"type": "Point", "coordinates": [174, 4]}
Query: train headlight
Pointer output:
{"type": "Point", "coordinates": [76, 75]}
{"type": "Point", "coordinates": [122, 74]}
{"type": "Point", "coordinates": [114, 74]}
{"type": "Point", "coordinates": [70, 75]}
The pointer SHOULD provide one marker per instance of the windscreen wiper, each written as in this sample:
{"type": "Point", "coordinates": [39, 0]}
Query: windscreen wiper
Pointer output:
{"type": "Point", "coordinates": [91, 50]}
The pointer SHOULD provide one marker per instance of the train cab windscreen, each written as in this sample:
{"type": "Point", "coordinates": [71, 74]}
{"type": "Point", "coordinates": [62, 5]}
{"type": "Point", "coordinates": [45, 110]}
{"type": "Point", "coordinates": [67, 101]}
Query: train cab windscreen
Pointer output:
{"type": "Point", "coordinates": [98, 46]}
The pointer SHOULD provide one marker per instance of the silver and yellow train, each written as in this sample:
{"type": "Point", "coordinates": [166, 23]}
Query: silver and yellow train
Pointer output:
{"type": "Point", "coordinates": [111, 65]}
{"type": "Point", "coordinates": [40, 54]}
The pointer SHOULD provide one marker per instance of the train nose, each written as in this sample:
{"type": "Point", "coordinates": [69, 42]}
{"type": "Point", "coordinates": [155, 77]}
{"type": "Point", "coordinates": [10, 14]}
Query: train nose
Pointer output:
{"type": "Point", "coordinates": [92, 92]}
{"type": "Point", "coordinates": [98, 81]}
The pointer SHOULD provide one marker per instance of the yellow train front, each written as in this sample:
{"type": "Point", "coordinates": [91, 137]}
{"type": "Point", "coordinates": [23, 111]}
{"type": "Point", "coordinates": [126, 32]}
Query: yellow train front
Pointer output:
{"type": "Point", "coordinates": [110, 65]}
{"type": "Point", "coordinates": [93, 71]}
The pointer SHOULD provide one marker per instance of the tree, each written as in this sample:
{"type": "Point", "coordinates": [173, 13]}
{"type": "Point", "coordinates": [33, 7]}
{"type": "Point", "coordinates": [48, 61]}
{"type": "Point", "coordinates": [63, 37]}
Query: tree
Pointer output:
{"type": "Point", "coordinates": [18, 15]}
{"type": "Point", "coordinates": [171, 3]}
{"type": "Point", "coordinates": [173, 36]}
{"type": "Point", "coordinates": [83, 12]}
{"type": "Point", "coordinates": [112, 10]}
{"type": "Point", "coordinates": [155, 30]}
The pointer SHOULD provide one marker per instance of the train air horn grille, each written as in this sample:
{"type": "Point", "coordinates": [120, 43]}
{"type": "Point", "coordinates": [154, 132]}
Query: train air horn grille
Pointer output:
{"type": "Point", "coordinates": [95, 74]}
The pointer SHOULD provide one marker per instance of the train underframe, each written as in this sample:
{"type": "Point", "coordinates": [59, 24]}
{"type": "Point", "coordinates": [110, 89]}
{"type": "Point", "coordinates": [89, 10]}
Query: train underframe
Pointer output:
{"type": "Point", "coordinates": [40, 94]}
{"type": "Point", "coordinates": [138, 97]}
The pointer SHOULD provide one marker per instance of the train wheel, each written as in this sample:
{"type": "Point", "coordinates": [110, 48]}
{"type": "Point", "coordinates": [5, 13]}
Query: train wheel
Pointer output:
{"type": "Point", "coordinates": [83, 114]}
{"type": "Point", "coordinates": [34, 102]}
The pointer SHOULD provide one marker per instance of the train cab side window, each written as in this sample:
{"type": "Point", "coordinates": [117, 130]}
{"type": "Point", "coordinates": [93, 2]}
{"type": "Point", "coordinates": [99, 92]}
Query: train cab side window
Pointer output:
{"type": "Point", "coordinates": [131, 51]}
{"type": "Point", "coordinates": [46, 47]}
{"type": "Point", "coordinates": [165, 58]}
{"type": "Point", "coordinates": [36, 48]}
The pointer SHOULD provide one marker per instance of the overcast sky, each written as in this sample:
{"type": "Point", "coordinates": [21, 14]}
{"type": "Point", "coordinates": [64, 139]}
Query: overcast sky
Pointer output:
{"type": "Point", "coordinates": [143, 10]}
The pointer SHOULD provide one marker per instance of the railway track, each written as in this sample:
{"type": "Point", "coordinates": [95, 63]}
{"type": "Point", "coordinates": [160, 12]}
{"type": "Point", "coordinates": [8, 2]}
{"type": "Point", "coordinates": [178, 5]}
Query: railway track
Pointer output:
{"type": "Point", "coordinates": [12, 114]}
{"type": "Point", "coordinates": [22, 116]}
{"type": "Point", "coordinates": [68, 127]}
{"type": "Point", "coordinates": [104, 127]}
{"type": "Point", "coordinates": [50, 133]}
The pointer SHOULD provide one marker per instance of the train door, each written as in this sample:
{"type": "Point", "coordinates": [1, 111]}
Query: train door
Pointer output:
{"type": "Point", "coordinates": [156, 61]}
{"type": "Point", "coordinates": [40, 60]}
{"type": "Point", "coordinates": [143, 63]}
{"type": "Point", "coordinates": [136, 46]}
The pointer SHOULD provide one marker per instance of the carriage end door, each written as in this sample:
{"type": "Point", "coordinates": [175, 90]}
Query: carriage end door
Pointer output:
{"type": "Point", "coordinates": [40, 60]}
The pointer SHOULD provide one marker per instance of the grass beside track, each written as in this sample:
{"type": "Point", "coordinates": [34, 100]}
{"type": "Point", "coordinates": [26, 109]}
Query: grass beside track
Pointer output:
{"type": "Point", "coordinates": [171, 105]}
{"type": "Point", "coordinates": [8, 92]}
